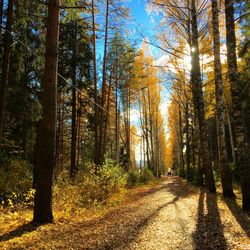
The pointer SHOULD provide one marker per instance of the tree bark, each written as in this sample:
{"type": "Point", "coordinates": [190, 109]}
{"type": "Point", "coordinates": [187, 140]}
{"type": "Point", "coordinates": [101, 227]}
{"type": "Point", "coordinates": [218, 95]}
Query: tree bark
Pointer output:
{"type": "Point", "coordinates": [199, 102]}
{"type": "Point", "coordinates": [241, 146]}
{"type": "Point", "coordinates": [1, 19]}
{"type": "Point", "coordinates": [117, 117]}
{"type": "Point", "coordinates": [107, 116]}
{"type": "Point", "coordinates": [188, 158]}
{"type": "Point", "coordinates": [46, 135]}
{"type": "Point", "coordinates": [226, 175]}
{"type": "Point", "coordinates": [73, 166]}
{"type": "Point", "coordinates": [103, 98]}
{"type": "Point", "coordinates": [96, 153]}
{"type": "Point", "coordinates": [6, 64]}
{"type": "Point", "coordinates": [182, 170]}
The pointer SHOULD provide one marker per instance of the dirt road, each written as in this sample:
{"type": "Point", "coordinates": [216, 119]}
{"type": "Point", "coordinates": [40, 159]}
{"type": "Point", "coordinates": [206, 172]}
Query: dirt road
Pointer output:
{"type": "Point", "coordinates": [171, 215]}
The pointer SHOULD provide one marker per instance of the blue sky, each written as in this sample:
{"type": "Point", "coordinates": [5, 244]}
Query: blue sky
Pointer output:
{"type": "Point", "coordinates": [146, 22]}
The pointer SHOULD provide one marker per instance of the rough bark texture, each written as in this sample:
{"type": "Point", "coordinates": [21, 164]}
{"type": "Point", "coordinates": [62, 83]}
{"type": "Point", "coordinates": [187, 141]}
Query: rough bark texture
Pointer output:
{"type": "Point", "coordinates": [46, 135]}
{"type": "Point", "coordinates": [226, 176]}
{"type": "Point", "coordinates": [199, 103]}
{"type": "Point", "coordinates": [6, 64]}
{"type": "Point", "coordinates": [241, 147]}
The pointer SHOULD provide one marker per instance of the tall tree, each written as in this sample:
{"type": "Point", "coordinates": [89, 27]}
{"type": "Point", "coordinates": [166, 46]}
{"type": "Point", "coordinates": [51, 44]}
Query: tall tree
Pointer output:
{"type": "Point", "coordinates": [199, 101]}
{"type": "Point", "coordinates": [1, 18]}
{"type": "Point", "coordinates": [46, 135]}
{"type": "Point", "coordinates": [96, 130]}
{"type": "Point", "coordinates": [226, 176]}
{"type": "Point", "coordinates": [103, 96]}
{"type": "Point", "coordinates": [73, 166]}
{"type": "Point", "coordinates": [241, 146]}
{"type": "Point", "coordinates": [6, 63]}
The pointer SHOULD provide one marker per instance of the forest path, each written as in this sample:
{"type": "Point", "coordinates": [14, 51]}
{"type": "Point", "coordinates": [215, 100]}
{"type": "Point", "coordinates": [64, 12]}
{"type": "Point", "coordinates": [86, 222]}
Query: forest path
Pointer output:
{"type": "Point", "coordinates": [170, 215]}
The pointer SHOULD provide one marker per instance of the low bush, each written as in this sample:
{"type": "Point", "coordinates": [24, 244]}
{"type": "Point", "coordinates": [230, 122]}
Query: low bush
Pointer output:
{"type": "Point", "coordinates": [146, 176]}
{"type": "Point", "coordinates": [133, 177]}
{"type": "Point", "coordinates": [16, 183]}
{"type": "Point", "coordinates": [98, 184]}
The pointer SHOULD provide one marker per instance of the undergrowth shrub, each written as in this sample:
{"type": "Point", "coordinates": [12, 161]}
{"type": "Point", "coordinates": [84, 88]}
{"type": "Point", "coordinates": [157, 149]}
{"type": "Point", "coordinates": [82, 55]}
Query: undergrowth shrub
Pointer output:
{"type": "Point", "coordinates": [99, 184]}
{"type": "Point", "coordinates": [134, 177]}
{"type": "Point", "coordinates": [16, 184]}
{"type": "Point", "coordinates": [92, 185]}
{"type": "Point", "coordinates": [146, 176]}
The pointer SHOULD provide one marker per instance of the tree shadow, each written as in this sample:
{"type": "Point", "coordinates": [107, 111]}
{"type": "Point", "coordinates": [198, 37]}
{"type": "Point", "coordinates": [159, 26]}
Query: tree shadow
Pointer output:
{"type": "Point", "coordinates": [18, 232]}
{"type": "Point", "coordinates": [119, 227]}
{"type": "Point", "coordinates": [131, 233]}
{"type": "Point", "coordinates": [243, 218]}
{"type": "Point", "coordinates": [209, 230]}
{"type": "Point", "coordinates": [132, 229]}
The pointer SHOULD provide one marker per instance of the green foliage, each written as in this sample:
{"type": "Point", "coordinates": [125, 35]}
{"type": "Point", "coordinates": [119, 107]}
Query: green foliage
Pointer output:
{"type": "Point", "coordinates": [97, 185]}
{"type": "Point", "coordinates": [16, 178]}
{"type": "Point", "coordinates": [134, 177]}
{"type": "Point", "coordinates": [146, 176]}
{"type": "Point", "coordinates": [16, 183]}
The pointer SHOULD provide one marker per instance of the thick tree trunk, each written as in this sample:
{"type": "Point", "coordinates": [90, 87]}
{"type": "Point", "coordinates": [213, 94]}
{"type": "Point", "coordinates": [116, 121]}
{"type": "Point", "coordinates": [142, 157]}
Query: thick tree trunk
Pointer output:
{"type": "Point", "coordinates": [241, 146]}
{"type": "Point", "coordinates": [45, 155]}
{"type": "Point", "coordinates": [199, 103]}
{"type": "Point", "coordinates": [6, 64]}
{"type": "Point", "coordinates": [226, 175]}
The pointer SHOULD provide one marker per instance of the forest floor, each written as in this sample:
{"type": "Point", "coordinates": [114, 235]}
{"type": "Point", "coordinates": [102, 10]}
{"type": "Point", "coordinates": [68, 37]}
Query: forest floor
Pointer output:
{"type": "Point", "coordinates": [169, 215]}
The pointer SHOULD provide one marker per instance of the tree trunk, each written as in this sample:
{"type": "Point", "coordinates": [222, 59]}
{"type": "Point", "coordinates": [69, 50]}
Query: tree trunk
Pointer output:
{"type": "Point", "coordinates": [199, 102]}
{"type": "Point", "coordinates": [188, 160]}
{"type": "Point", "coordinates": [79, 137]}
{"type": "Point", "coordinates": [103, 98]}
{"type": "Point", "coordinates": [1, 20]}
{"type": "Point", "coordinates": [241, 146]}
{"type": "Point", "coordinates": [58, 134]}
{"type": "Point", "coordinates": [226, 176]}
{"type": "Point", "coordinates": [73, 166]}
{"type": "Point", "coordinates": [96, 153]}
{"type": "Point", "coordinates": [117, 118]}
{"type": "Point", "coordinates": [182, 170]}
{"type": "Point", "coordinates": [107, 117]}
{"type": "Point", "coordinates": [6, 64]}
{"type": "Point", "coordinates": [46, 135]}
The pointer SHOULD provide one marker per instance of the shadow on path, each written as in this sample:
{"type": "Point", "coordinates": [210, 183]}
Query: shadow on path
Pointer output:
{"type": "Point", "coordinates": [209, 230]}
{"type": "Point", "coordinates": [243, 218]}
{"type": "Point", "coordinates": [117, 228]}
{"type": "Point", "coordinates": [18, 232]}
